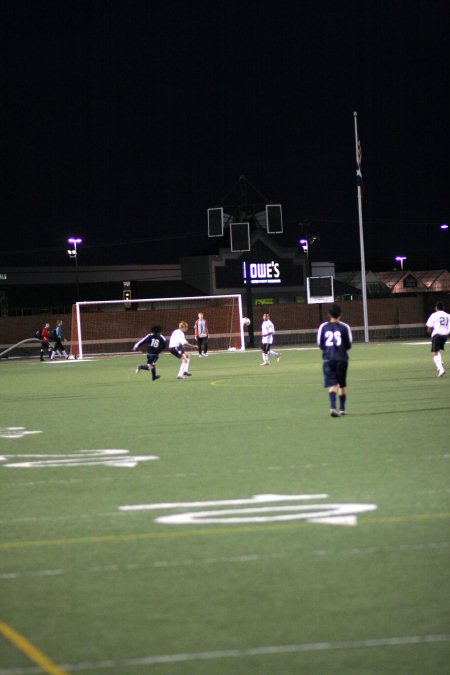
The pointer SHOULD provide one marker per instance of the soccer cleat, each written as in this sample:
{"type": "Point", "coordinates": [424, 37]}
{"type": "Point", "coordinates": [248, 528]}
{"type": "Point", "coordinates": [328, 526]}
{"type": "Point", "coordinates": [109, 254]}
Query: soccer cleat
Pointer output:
{"type": "Point", "coordinates": [265, 363]}
{"type": "Point", "coordinates": [180, 377]}
{"type": "Point", "coordinates": [156, 377]}
{"type": "Point", "coordinates": [188, 374]}
{"type": "Point", "coordinates": [334, 412]}
{"type": "Point", "coordinates": [441, 372]}
{"type": "Point", "coordinates": [138, 368]}
{"type": "Point", "coordinates": [278, 358]}
{"type": "Point", "coordinates": [342, 412]}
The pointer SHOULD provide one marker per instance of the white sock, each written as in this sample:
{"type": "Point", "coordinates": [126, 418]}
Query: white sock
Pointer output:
{"type": "Point", "coordinates": [438, 361]}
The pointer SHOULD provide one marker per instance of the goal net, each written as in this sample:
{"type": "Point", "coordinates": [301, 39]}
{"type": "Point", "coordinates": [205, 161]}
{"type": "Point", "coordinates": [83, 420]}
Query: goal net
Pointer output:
{"type": "Point", "coordinates": [114, 326]}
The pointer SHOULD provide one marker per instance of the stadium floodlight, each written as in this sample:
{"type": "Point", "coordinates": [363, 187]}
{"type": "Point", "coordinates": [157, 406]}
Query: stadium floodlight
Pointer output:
{"type": "Point", "coordinates": [274, 219]}
{"type": "Point", "coordinates": [401, 259]}
{"type": "Point", "coordinates": [73, 253]}
{"type": "Point", "coordinates": [75, 241]}
{"type": "Point", "coordinates": [215, 222]}
{"type": "Point", "coordinates": [240, 237]}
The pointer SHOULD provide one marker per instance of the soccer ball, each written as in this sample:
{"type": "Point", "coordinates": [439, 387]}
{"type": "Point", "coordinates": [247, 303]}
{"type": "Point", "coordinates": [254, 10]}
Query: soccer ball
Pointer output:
{"type": "Point", "coordinates": [245, 321]}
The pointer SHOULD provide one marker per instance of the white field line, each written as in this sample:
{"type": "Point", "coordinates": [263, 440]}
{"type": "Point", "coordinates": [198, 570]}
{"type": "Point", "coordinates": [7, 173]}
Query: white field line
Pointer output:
{"type": "Point", "coordinates": [418, 344]}
{"type": "Point", "coordinates": [83, 360]}
{"type": "Point", "coordinates": [238, 559]}
{"type": "Point", "coordinates": [248, 652]}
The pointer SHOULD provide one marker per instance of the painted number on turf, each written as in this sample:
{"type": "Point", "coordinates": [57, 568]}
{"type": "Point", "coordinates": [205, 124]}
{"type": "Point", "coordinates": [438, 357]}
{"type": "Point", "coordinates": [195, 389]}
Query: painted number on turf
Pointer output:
{"type": "Point", "coordinates": [266, 508]}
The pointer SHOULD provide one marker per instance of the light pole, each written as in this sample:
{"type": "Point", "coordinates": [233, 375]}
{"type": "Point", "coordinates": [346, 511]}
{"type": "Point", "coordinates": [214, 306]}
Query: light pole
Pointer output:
{"type": "Point", "coordinates": [73, 253]}
{"type": "Point", "coordinates": [305, 246]}
{"type": "Point", "coordinates": [401, 259]}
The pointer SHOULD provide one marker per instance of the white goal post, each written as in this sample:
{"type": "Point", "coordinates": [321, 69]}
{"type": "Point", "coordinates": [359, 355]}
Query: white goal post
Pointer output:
{"type": "Point", "coordinates": [114, 326]}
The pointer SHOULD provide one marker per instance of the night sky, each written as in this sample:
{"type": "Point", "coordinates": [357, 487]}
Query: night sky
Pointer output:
{"type": "Point", "coordinates": [123, 122]}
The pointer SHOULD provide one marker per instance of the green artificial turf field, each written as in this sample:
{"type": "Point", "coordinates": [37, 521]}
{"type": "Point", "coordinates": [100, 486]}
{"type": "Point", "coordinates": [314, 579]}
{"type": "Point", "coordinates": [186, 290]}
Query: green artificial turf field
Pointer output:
{"type": "Point", "coordinates": [237, 528]}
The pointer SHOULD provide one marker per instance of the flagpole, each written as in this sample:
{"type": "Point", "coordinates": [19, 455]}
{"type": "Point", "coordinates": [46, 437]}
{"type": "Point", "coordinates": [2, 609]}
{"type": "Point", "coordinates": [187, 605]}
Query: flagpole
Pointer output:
{"type": "Point", "coordinates": [361, 236]}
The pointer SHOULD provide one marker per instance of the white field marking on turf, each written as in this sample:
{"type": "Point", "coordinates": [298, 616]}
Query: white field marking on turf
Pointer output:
{"type": "Point", "coordinates": [246, 652]}
{"type": "Point", "coordinates": [59, 518]}
{"type": "Point", "coordinates": [332, 514]}
{"type": "Point", "coordinates": [418, 343]}
{"type": "Point", "coordinates": [16, 432]}
{"type": "Point", "coordinates": [221, 502]}
{"type": "Point", "coordinates": [200, 562]}
{"type": "Point", "coordinates": [106, 457]}
{"type": "Point", "coordinates": [62, 481]}
{"type": "Point", "coordinates": [83, 360]}
{"type": "Point", "coordinates": [249, 385]}
{"type": "Point", "coordinates": [132, 567]}
{"type": "Point", "coordinates": [105, 479]}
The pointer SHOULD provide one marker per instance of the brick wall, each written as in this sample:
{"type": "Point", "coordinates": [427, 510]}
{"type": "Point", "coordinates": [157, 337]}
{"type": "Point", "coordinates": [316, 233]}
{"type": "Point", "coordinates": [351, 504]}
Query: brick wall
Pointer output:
{"type": "Point", "coordinates": [396, 312]}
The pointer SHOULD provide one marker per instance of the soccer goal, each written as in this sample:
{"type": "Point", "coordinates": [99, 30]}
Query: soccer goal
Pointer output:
{"type": "Point", "coordinates": [114, 326]}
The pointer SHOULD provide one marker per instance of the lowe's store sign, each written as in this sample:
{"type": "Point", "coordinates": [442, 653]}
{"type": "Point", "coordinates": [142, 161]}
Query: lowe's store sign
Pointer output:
{"type": "Point", "coordinates": [261, 273]}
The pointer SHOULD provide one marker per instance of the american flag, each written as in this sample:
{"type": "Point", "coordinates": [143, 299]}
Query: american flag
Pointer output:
{"type": "Point", "coordinates": [359, 178]}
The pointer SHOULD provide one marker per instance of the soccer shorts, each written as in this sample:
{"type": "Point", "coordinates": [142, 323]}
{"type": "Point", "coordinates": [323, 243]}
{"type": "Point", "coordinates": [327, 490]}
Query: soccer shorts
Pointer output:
{"type": "Point", "coordinates": [438, 342]}
{"type": "Point", "coordinates": [335, 373]}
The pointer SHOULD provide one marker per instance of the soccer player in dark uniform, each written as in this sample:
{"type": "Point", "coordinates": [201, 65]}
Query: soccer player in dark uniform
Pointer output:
{"type": "Point", "coordinates": [334, 338]}
{"type": "Point", "coordinates": [58, 337]}
{"type": "Point", "coordinates": [155, 344]}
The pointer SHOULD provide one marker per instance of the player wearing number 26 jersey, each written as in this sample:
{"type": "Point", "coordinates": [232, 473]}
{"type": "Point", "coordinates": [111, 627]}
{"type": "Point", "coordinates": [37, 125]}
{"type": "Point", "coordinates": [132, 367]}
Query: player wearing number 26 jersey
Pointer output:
{"type": "Point", "coordinates": [334, 338]}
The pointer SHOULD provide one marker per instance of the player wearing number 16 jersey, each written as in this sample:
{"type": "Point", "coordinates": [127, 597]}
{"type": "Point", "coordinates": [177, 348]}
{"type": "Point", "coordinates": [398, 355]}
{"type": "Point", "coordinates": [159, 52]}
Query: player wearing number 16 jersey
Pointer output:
{"type": "Point", "coordinates": [334, 338]}
{"type": "Point", "coordinates": [155, 344]}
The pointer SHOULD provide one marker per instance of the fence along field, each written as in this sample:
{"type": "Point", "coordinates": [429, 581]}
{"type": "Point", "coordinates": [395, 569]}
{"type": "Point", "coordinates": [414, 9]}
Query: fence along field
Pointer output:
{"type": "Point", "coordinates": [389, 318]}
